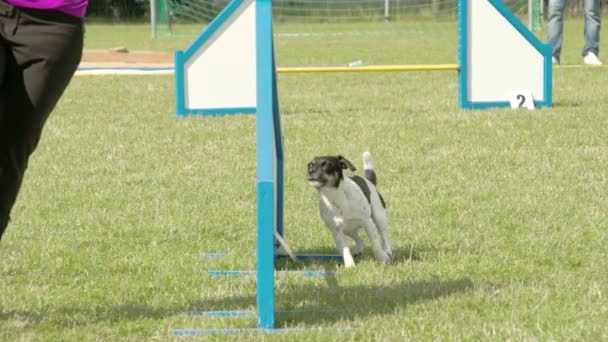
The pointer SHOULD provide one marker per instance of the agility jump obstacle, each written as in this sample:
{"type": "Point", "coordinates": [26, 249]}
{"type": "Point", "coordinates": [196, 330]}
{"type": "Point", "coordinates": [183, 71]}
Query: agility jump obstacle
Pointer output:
{"type": "Point", "coordinates": [497, 55]}
{"type": "Point", "coordinates": [230, 68]}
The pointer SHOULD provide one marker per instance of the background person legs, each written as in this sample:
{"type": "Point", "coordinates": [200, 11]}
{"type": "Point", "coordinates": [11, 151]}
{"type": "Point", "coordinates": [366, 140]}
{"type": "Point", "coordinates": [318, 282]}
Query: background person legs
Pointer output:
{"type": "Point", "coordinates": [590, 52]}
{"type": "Point", "coordinates": [555, 26]}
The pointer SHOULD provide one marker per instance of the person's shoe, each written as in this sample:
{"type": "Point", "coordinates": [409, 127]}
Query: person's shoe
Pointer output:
{"type": "Point", "coordinates": [591, 59]}
{"type": "Point", "coordinates": [554, 60]}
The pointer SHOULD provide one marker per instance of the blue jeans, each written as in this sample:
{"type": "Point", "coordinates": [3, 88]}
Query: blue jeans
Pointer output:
{"type": "Point", "coordinates": [555, 24]}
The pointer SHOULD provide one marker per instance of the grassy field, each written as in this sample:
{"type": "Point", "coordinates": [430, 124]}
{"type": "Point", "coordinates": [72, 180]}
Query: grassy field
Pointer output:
{"type": "Point", "coordinates": [499, 218]}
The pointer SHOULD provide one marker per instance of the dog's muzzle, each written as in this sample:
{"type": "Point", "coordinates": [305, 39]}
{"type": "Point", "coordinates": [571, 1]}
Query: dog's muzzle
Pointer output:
{"type": "Point", "coordinates": [314, 179]}
{"type": "Point", "coordinates": [317, 183]}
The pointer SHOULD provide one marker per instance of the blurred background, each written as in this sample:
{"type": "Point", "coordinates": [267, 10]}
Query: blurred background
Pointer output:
{"type": "Point", "coordinates": [189, 11]}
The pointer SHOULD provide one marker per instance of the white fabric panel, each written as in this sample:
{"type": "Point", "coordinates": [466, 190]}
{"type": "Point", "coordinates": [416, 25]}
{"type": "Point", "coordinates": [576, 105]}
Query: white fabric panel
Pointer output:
{"type": "Point", "coordinates": [222, 73]}
{"type": "Point", "coordinates": [500, 58]}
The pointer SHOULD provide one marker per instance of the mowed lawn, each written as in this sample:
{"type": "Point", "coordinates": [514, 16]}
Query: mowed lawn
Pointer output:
{"type": "Point", "coordinates": [499, 218]}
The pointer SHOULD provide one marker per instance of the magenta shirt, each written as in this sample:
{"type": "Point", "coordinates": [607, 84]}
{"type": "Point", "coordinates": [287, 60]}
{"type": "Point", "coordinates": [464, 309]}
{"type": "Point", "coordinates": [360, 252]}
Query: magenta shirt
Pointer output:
{"type": "Point", "coordinates": [76, 8]}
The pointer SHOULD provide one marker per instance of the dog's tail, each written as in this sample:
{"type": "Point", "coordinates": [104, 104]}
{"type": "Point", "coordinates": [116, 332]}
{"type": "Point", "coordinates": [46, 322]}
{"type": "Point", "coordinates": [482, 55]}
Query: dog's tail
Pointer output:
{"type": "Point", "coordinates": [368, 167]}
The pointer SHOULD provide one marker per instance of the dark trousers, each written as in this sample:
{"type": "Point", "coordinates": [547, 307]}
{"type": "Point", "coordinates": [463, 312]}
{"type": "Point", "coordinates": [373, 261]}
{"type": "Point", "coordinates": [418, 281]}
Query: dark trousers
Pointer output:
{"type": "Point", "coordinates": [39, 53]}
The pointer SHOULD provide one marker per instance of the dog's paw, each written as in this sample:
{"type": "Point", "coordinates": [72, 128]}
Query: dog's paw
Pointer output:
{"type": "Point", "coordinates": [386, 246]}
{"type": "Point", "coordinates": [383, 256]}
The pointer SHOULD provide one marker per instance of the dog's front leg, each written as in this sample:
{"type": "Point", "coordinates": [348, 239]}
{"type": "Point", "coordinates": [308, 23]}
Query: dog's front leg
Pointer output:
{"type": "Point", "coordinates": [358, 242]}
{"type": "Point", "coordinates": [343, 248]}
{"type": "Point", "coordinates": [374, 239]}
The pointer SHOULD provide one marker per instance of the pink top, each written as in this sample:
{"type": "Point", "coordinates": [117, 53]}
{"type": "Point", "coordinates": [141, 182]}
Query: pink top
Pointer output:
{"type": "Point", "coordinates": [76, 8]}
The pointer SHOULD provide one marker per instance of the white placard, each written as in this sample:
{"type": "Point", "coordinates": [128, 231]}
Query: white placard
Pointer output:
{"type": "Point", "coordinates": [521, 99]}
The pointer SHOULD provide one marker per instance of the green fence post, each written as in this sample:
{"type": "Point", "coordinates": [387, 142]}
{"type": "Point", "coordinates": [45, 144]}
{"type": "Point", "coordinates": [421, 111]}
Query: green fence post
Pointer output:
{"type": "Point", "coordinates": [536, 19]}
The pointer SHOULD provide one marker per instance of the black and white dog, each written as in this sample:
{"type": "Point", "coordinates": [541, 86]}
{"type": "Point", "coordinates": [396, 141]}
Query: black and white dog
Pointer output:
{"type": "Point", "coordinates": [349, 203]}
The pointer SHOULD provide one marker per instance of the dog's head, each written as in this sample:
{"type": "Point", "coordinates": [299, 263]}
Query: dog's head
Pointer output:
{"type": "Point", "coordinates": [327, 171]}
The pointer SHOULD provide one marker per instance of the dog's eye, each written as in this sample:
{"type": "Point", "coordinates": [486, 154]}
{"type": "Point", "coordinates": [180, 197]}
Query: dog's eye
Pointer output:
{"type": "Point", "coordinates": [324, 163]}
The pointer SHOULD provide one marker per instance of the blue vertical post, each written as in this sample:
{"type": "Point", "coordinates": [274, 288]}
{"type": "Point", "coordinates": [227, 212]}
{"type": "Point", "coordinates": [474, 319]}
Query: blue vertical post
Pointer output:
{"type": "Point", "coordinates": [278, 135]}
{"type": "Point", "coordinates": [268, 189]}
{"type": "Point", "coordinates": [180, 105]}
{"type": "Point", "coordinates": [463, 54]}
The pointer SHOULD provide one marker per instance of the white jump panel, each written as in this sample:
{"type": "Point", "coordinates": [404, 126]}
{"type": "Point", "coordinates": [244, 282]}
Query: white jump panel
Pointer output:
{"type": "Point", "coordinates": [218, 70]}
{"type": "Point", "coordinates": [499, 56]}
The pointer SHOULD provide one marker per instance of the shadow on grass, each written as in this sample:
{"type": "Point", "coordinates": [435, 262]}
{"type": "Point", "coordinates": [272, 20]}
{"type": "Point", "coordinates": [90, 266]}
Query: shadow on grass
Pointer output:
{"type": "Point", "coordinates": [81, 316]}
{"type": "Point", "coordinates": [332, 303]}
{"type": "Point", "coordinates": [567, 103]}
{"type": "Point", "coordinates": [299, 303]}
{"type": "Point", "coordinates": [296, 303]}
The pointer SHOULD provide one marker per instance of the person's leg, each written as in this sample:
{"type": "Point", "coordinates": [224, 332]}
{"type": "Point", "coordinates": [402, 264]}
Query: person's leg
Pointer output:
{"type": "Point", "coordinates": [42, 56]}
{"type": "Point", "coordinates": [2, 62]}
{"type": "Point", "coordinates": [555, 25]}
{"type": "Point", "coordinates": [591, 9]}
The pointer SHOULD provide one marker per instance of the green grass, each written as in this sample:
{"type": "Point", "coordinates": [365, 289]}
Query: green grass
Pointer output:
{"type": "Point", "coordinates": [499, 217]}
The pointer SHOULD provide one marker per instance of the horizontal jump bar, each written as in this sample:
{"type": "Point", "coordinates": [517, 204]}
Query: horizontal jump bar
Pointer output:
{"type": "Point", "coordinates": [237, 313]}
{"type": "Point", "coordinates": [251, 331]}
{"type": "Point", "coordinates": [319, 257]}
{"type": "Point", "coordinates": [370, 68]}
{"type": "Point", "coordinates": [305, 273]}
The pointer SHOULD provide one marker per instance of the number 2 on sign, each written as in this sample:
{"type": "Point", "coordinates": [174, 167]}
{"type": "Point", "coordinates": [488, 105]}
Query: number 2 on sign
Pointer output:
{"type": "Point", "coordinates": [521, 99]}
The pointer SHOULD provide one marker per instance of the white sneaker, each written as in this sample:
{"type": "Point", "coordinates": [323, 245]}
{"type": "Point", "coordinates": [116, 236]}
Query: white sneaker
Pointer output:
{"type": "Point", "coordinates": [591, 59]}
{"type": "Point", "coordinates": [555, 61]}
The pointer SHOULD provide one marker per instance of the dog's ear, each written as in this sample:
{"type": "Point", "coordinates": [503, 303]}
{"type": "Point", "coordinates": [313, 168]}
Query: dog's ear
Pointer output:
{"type": "Point", "coordinates": [346, 164]}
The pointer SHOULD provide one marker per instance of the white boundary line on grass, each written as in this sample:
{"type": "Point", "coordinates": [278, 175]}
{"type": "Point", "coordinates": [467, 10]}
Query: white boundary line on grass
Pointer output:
{"type": "Point", "coordinates": [125, 71]}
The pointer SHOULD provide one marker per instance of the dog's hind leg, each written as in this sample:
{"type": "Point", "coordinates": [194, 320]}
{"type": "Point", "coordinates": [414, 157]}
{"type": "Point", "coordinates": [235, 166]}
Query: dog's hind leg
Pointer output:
{"type": "Point", "coordinates": [343, 248]}
{"type": "Point", "coordinates": [382, 224]}
{"type": "Point", "coordinates": [375, 240]}
{"type": "Point", "coordinates": [358, 241]}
